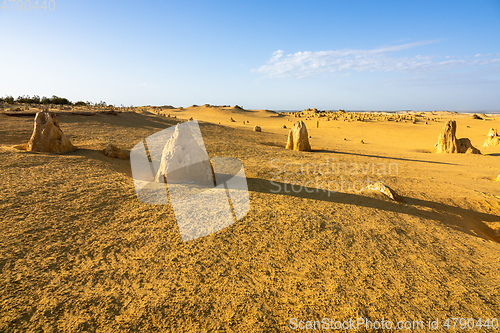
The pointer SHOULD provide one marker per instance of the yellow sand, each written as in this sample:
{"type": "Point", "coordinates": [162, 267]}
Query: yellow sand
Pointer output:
{"type": "Point", "coordinates": [79, 252]}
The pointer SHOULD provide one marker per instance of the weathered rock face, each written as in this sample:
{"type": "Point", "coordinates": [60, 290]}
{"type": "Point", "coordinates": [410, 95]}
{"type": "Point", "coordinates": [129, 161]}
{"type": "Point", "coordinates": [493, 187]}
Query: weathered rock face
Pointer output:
{"type": "Point", "coordinates": [493, 139]}
{"type": "Point", "coordinates": [448, 142]}
{"type": "Point", "coordinates": [382, 188]}
{"type": "Point", "coordinates": [466, 147]}
{"type": "Point", "coordinates": [47, 135]}
{"type": "Point", "coordinates": [298, 138]}
{"type": "Point", "coordinates": [114, 152]}
{"type": "Point", "coordinates": [183, 161]}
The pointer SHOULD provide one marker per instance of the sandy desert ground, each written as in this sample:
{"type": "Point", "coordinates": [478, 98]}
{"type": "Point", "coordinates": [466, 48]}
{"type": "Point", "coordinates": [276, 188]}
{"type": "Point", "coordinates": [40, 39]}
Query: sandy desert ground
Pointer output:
{"type": "Point", "coordinates": [80, 253]}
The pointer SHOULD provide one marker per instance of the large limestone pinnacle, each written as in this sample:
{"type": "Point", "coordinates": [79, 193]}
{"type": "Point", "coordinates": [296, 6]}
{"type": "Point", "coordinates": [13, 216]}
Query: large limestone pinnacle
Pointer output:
{"type": "Point", "coordinates": [448, 142]}
{"type": "Point", "coordinates": [47, 135]}
{"type": "Point", "coordinates": [183, 161]}
{"type": "Point", "coordinates": [298, 138]}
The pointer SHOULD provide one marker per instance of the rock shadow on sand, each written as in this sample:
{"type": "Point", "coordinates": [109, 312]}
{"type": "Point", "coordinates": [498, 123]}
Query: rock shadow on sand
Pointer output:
{"type": "Point", "coordinates": [461, 219]}
{"type": "Point", "coordinates": [377, 156]}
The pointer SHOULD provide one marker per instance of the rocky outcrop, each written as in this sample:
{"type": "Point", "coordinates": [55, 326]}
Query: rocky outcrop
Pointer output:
{"type": "Point", "coordinates": [493, 139]}
{"type": "Point", "coordinates": [183, 161]}
{"type": "Point", "coordinates": [298, 138]}
{"type": "Point", "coordinates": [466, 147]}
{"type": "Point", "coordinates": [114, 152]}
{"type": "Point", "coordinates": [47, 135]}
{"type": "Point", "coordinates": [448, 142]}
{"type": "Point", "coordinates": [382, 188]}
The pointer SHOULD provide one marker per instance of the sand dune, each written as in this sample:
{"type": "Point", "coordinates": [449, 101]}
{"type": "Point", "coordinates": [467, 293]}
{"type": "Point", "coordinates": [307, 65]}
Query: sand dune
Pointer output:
{"type": "Point", "coordinates": [79, 252]}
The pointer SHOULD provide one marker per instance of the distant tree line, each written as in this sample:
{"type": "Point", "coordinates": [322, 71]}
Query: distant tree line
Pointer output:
{"type": "Point", "coordinates": [55, 100]}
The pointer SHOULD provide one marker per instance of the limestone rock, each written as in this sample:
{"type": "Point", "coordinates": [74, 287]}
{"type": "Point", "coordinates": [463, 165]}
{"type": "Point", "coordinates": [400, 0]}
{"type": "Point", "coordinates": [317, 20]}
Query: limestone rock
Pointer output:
{"type": "Point", "coordinates": [448, 142]}
{"type": "Point", "coordinates": [257, 128]}
{"type": "Point", "coordinates": [382, 188]}
{"type": "Point", "coordinates": [183, 161]}
{"type": "Point", "coordinates": [47, 135]}
{"type": "Point", "coordinates": [298, 138]}
{"type": "Point", "coordinates": [475, 116]}
{"type": "Point", "coordinates": [113, 151]}
{"type": "Point", "coordinates": [498, 178]}
{"type": "Point", "coordinates": [232, 120]}
{"type": "Point", "coordinates": [466, 147]}
{"type": "Point", "coordinates": [493, 139]}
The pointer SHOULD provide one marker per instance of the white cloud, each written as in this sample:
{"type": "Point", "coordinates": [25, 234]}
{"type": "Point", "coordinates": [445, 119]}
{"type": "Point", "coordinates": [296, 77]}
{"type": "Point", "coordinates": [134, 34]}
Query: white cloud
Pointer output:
{"type": "Point", "coordinates": [307, 63]}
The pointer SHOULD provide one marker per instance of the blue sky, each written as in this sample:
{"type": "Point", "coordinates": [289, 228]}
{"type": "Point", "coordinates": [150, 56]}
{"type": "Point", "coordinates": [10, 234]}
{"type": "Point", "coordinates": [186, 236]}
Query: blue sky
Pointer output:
{"type": "Point", "coordinates": [369, 55]}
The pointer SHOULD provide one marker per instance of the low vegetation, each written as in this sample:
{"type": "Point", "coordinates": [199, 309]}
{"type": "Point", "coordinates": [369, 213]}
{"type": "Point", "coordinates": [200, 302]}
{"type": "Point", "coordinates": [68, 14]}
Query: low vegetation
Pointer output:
{"type": "Point", "coordinates": [54, 100]}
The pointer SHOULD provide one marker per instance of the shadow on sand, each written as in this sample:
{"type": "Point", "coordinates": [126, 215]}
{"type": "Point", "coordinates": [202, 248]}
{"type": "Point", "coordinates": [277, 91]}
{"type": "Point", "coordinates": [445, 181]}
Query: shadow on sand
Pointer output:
{"type": "Point", "coordinates": [377, 156]}
{"type": "Point", "coordinates": [465, 220]}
